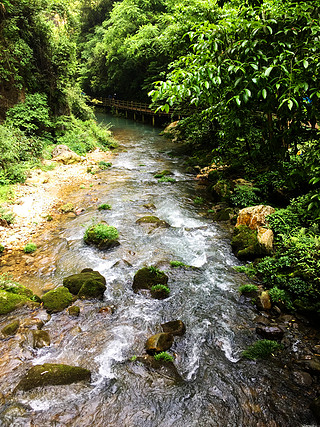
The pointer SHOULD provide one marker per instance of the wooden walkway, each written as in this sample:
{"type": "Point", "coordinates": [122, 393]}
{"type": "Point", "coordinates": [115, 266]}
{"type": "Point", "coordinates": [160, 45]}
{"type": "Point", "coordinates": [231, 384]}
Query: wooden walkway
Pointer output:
{"type": "Point", "coordinates": [136, 107]}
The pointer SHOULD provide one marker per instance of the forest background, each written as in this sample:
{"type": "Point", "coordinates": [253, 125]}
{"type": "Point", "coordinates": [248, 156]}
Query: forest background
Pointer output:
{"type": "Point", "coordinates": [243, 75]}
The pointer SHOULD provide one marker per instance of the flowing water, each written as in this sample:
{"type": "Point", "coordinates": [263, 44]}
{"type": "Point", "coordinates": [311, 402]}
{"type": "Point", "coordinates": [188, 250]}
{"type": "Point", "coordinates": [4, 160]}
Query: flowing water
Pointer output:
{"type": "Point", "coordinates": [217, 387]}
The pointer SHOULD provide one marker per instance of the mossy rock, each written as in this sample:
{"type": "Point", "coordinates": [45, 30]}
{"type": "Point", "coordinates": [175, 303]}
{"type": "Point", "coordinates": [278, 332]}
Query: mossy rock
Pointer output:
{"type": "Point", "coordinates": [41, 338]}
{"type": "Point", "coordinates": [10, 301]}
{"type": "Point", "coordinates": [11, 328]}
{"type": "Point", "coordinates": [53, 374]}
{"type": "Point", "coordinates": [102, 236]}
{"type": "Point", "coordinates": [87, 284]}
{"type": "Point", "coordinates": [163, 173]}
{"type": "Point", "coordinates": [57, 300]}
{"type": "Point", "coordinates": [245, 243]}
{"type": "Point", "coordinates": [165, 368]}
{"type": "Point", "coordinates": [68, 207]}
{"type": "Point", "coordinates": [160, 291]}
{"type": "Point", "coordinates": [154, 220]}
{"type": "Point", "coordinates": [74, 310]}
{"type": "Point", "coordinates": [158, 343]}
{"type": "Point", "coordinates": [221, 190]}
{"type": "Point", "coordinates": [147, 277]}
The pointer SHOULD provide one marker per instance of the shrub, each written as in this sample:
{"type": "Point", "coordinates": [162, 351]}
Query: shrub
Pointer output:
{"type": "Point", "coordinates": [261, 349]}
{"type": "Point", "coordinates": [104, 206]}
{"type": "Point", "coordinates": [244, 196]}
{"type": "Point", "coordinates": [166, 357]}
{"type": "Point", "coordinates": [249, 287]}
{"type": "Point", "coordinates": [29, 248]}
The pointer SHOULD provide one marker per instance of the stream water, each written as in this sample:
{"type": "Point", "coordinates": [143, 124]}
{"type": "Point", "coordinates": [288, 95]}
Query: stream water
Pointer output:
{"type": "Point", "coordinates": [217, 388]}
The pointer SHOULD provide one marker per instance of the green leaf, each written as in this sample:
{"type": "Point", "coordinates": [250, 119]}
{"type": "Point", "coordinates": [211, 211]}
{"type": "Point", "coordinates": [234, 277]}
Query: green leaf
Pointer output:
{"type": "Point", "coordinates": [305, 63]}
{"type": "Point", "coordinates": [268, 71]}
{"type": "Point", "coordinates": [166, 108]}
{"type": "Point", "coordinates": [290, 104]}
{"type": "Point", "coordinates": [207, 85]}
{"type": "Point", "coordinates": [264, 93]}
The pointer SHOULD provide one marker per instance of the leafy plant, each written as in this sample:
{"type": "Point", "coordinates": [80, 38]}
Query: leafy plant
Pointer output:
{"type": "Point", "coordinates": [155, 270]}
{"type": "Point", "coordinates": [166, 357]}
{"type": "Point", "coordinates": [102, 231]}
{"type": "Point", "coordinates": [29, 248]}
{"type": "Point", "coordinates": [244, 196]}
{"type": "Point", "coordinates": [261, 349]}
{"type": "Point", "coordinates": [198, 201]}
{"type": "Point", "coordinates": [178, 264]}
{"type": "Point", "coordinates": [162, 288]}
{"type": "Point", "coordinates": [104, 165]}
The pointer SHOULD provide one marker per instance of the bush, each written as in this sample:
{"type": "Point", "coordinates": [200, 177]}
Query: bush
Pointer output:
{"type": "Point", "coordinates": [166, 357]}
{"type": "Point", "coordinates": [261, 349]}
{"type": "Point", "coordinates": [244, 196]}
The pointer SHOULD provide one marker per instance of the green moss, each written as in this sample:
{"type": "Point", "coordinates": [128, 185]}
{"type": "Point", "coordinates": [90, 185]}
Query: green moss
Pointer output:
{"type": "Point", "coordinates": [68, 207]}
{"type": "Point", "coordinates": [74, 310]}
{"type": "Point", "coordinates": [104, 165]}
{"type": "Point", "coordinates": [261, 349]}
{"type": "Point", "coordinates": [147, 277]}
{"type": "Point", "coordinates": [10, 301]}
{"type": "Point", "coordinates": [104, 206]}
{"type": "Point", "coordinates": [166, 357]}
{"type": "Point", "coordinates": [163, 173]}
{"type": "Point", "coordinates": [151, 219]}
{"type": "Point", "coordinates": [101, 235]}
{"type": "Point", "coordinates": [176, 264]}
{"type": "Point", "coordinates": [11, 328]}
{"type": "Point", "coordinates": [166, 179]}
{"type": "Point", "coordinates": [87, 284]}
{"type": "Point", "coordinates": [30, 248]}
{"type": "Point", "coordinates": [247, 288]}
{"type": "Point", "coordinates": [53, 374]}
{"type": "Point", "coordinates": [57, 299]}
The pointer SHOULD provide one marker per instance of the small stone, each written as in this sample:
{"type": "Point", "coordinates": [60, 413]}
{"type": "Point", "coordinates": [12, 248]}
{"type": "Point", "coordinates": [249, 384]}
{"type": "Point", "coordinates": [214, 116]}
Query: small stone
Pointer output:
{"type": "Point", "coordinates": [270, 332]}
{"type": "Point", "coordinates": [175, 327]}
{"type": "Point", "coordinates": [302, 378]}
{"type": "Point", "coordinates": [11, 328]}
{"type": "Point", "coordinates": [158, 343]}
{"type": "Point", "coordinates": [40, 339]}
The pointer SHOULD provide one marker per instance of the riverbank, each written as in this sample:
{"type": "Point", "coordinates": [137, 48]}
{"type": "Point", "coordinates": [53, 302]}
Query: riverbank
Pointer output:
{"type": "Point", "coordinates": [37, 202]}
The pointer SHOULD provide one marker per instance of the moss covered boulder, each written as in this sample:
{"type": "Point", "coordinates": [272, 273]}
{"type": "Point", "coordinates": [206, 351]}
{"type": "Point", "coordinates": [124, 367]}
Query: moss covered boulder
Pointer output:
{"type": "Point", "coordinates": [87, 284]}
{"type": "Point", "coordinates": [57, 300]}
{"type": "Point", "coordinates": [147, 277]}
{"type": "Point", "coordinates": [245, 244]}
{"type": "Point", "coordinates": [102, 236]}
{"type": "Point", "coordinates": [53, 374]}
{"type": "Point", "coordinates": [10, 301]}
{"type": "Point", "coordinates": [158, 343]}
{"type": "Point", "coordinates": [40, 338]}
{"type": "Point", "coordinates": [152, 220]}
{"type": "Point", "coordinates": [74, 311]}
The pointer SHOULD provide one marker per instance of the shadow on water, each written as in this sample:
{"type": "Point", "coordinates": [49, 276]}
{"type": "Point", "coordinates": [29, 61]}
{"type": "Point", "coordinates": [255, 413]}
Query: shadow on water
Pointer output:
{"type": "Point", "coordinates": [217, 388]}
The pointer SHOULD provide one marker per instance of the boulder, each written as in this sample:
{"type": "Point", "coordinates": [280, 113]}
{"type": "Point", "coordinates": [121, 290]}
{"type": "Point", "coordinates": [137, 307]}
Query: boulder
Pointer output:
{"type": "Point", "coordinates": [10, 301]}
{"type": "Point", "coordinates": [254, 216]}
{"type": "Point", "coordinates": [65, 155]}
{"type": "Point", "coordinates": [270, 332]}
{"type": "Point", "coordinates": [52, 374]}
{"type": "Point", "coordinates": [57, 299]}
{"type": "Point", "coordinates": [87, 284]}
{"type": "Point", "coordinates": [175, 327]}
{"type": "Point", "coordinates": [146, 277]}
{"type": "Point", "coordinates": [245, 244]}
{"type": "Point", "coordinates": [153, 220]}
{"type": "Point", "coordinates": [162, 367]}
{"type": "Point", "coordinates": [158, 343]}
{"type": "Point", "coordinates": [160, 291]}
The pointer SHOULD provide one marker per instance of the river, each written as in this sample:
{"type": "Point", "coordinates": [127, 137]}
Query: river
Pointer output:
{"type": "Point", "coordinates": [217, 387]}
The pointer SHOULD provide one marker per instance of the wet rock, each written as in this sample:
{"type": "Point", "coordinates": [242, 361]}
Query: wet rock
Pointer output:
{"type": "Point", "coordinates": [167, 369]}
{"type": "Point", "coordinates": [57, 300]}
{"type": "Point", "coordinates": [163, 173]}
{"type": "Point", "coordinates": [270, 332]}
{"type": "Point", "coordinates": [66, 208]}
{"type": "Point", "coordinates": [11, 328]}
{"type": "Point", "coordinates": [175, 327]}
{"type": "Point", "coordinates": [52, 374]}
{"type": "Point", "coordinates": [40, 338]}
{"type": "Point", "coordinates": [264, 301]}
{"type": "Point", "coordinates": [158, 343]}
{"type": "Point", "coordinates": [302, 378]}
{"type": "Point", "coordinates": [154, 220]}
{"type": "Point", "coordinates": [102, 236]}
{"type": "Point", "coordinates": [110, 309]}
{"type": "Point", "coordinates": [150, 206]}
{"type": "Point", "coordinates": [147, 277]}
{"type": "Point", "coordinates": [87, 284]}
{"type": "Point", "coordinates": [74, 310]}
{"type": "Point", "coordinates": [312, 365]}
{"type": "Point", "coordinates": [262, 320]}
{"type": "Point", "coordinates": [160, 291]}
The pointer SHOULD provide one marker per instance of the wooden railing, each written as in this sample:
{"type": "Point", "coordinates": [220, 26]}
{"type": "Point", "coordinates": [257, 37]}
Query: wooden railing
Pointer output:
{"type": "Point", "coordinates": [129, 106]}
